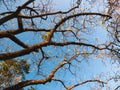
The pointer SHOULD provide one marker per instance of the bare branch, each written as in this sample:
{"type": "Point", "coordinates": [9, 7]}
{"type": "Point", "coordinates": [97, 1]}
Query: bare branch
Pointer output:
{"type": "Point", "coordinates": [43, 81]}
{"type": "Point", "coordinates": [35, 47]}
{"type": "Point", "coordinates": [60, 12]}
{"type": "Point", "coordinates": [84, 82]}
{"type": "Point", "coordinates": [60, 82]}
{"type": "Point", "coordinates": [17, 41]}
{"type": "Point", "coordinates": [15, 14]}
{"type": "Point", "coordinates": [24, 5]}
{"type": "Point", "coordinates": [71, 16]}
{"type": "Point", "coordinates": [20, 24]}
{"type": "Point", "coordinates": [30, 49]}
{"type": "Point", "coordinates": [25, 51]}
{"type": "Point", "coordinates": [117, 87]}
{"type": "Point", "coordinates": [9, 17]}
{"type": "Point", "coordinates": [77, 43]}
{"type": "Point", "coordinates": [4, 13]}
{"type": "Point", "coordinates": [5, 33]}
{"type": "Point", "coordinates": [34, 82]}
{"type": "Point", "coordinates": [41, 59]}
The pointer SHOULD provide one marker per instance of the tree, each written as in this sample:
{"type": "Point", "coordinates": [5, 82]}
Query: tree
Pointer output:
{"type": "Point", "coordinates": [12, 72]}
{"type": "Point", "coordinates": [58, 39]}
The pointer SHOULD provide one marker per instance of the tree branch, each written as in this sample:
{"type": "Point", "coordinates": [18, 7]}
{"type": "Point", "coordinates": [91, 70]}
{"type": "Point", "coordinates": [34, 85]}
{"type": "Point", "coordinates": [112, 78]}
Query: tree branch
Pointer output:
{"type": "Point", "coordinates": [17, 41]}
{"type": "Point", "coordinates": [34, 82]}
{"type": "Point", "coordinates": [81, 83]}
{"type": "Point", "coordinates": [60, 12]}
{"type": "Point", "coordinates": [5, 33]}
{"type": "Point", "coordinates": [69, 17]}
{"type": "Point", "coordinates": [20, 24]}
{"type": "Point", "coordinates": [76, 43]}
{"type": "Point", "coordinates": [25, 51]}
{"type": "Point", "coordinates": [18, 31]}
{"type": "Point", "coordinates": [60, 82]}
{"type": "Point", "coordinates": [30, 49]}
{"type": "Point", "coordinates": [15, 14]}
{"type": "Point", "coordinates": [84, 82]}
{"type": "Point", "coordinates": [117, 87]}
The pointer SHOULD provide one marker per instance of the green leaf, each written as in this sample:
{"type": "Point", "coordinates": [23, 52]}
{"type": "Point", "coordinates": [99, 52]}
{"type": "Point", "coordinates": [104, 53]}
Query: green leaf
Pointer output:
{"type": "Point", "coordinates": [44, 37]}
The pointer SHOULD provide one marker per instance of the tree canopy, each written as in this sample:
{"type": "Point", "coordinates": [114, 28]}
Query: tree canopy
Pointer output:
{"type": "Point", "coordinates": [46, 41]}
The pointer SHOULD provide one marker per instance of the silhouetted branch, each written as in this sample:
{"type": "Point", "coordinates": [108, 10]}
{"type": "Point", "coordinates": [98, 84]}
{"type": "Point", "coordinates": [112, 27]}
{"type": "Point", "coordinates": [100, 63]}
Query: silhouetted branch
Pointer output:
{"type": "Point", "coordinates": [5, 33]}
{"type": "Point", "coordinates": [84, 82]}
{"type": "Point", "coordinates": [20, 23]}
{"type": "Point", "coordinates": [117, 87]}
{"type": "Point", "coordinates": [33, 48]}
{"type": "Point", "coordinates": [17, 41]}
{"type": "Point", "coordinates": [41, 59]}
{"type": "Point", "coordinates": [69, 17]}
{"type": "Point", "coordinates": [25, 51]}
{"type": "Point", "coordinates": [15, 14]}
{"type": "Point", "coordinates": [4, 13]}
{"type": "Point", "coordinates": [60, 82]}
{"type": "Point", "coordinates": [43, 81]}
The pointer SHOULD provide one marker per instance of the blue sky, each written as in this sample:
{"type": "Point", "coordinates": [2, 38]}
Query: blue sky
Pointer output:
{"type": "Point", "coordinates": [90, 67]}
